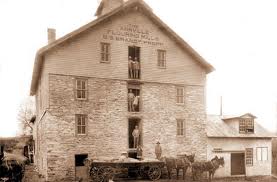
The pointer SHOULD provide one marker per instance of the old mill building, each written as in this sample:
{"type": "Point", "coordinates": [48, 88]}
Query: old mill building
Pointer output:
{"type": "Point", "coordinates": [124, 69]}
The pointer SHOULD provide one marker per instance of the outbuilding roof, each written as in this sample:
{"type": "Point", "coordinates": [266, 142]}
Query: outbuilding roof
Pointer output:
{"type": "Point", "coordinates": [137, 4]}
{"type": "Point", "coordinates": [218, 128]}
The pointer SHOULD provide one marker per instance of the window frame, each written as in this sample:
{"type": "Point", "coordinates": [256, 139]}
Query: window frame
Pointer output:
{"type": "Point", "coordinates": [180, 127]}
{"type": "Point", "coordinates": [262, 160]}
{"type": "Point", "coordinates": [180, 96]}
{"type": "Point", "coordinates": [82, 116]}
{"type": "Point", "coordinates": [138, 89]}
{"type": "Point", "coordinates": [81, 89]}
{"type": "Point", "coordinates": [105, 52]}
{"type": "Point", "coordinates": [78, 163]}
{"type": "Point", "coordinates": [161, 58]}
{"type": "Point", "coordinates": [245, 125]}
{"type": "Point", "coordinates": [249, 159]}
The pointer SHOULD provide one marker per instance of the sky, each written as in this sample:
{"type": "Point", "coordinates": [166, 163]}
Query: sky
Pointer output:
{"type": "Point", "coordinates": [237, 37]}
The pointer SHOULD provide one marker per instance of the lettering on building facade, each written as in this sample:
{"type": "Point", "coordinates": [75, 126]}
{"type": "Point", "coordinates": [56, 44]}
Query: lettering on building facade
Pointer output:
{"type": "Point", "coordinates": [132, 33]}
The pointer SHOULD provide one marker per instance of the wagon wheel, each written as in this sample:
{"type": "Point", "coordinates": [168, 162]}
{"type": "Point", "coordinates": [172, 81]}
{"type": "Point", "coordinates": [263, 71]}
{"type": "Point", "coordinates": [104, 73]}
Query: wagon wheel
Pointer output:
{"type": "Point", "coordinates": [108, 173]}
{"type": "Point", "coordinates": [101, 174]}
{"type": "Point", "coordinates": [104, 174]}
{"type": "Point", "coordinates": [154, 173]}
{"type": "Point", "coordinates": [93, 171]}
{"type": "Point", "coordinates": [143, 171]}
{"type": "Point", "coordinates": [96, 174]}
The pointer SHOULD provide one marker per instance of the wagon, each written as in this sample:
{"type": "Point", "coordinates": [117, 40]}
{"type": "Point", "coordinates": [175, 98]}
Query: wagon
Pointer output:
{"type": "Point", "coordinates": [103, 171]}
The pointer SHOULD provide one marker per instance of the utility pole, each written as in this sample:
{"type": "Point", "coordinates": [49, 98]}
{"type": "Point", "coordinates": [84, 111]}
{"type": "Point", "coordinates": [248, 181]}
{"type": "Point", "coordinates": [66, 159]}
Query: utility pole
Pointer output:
{"type": "Point", "coordinates": [221, 112]}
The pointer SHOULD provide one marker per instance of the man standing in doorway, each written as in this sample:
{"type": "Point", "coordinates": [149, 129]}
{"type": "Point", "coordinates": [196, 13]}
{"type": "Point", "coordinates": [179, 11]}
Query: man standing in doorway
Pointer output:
{"type": "Point", "coordinates": [136, 67]}
{"type": "Point", "coordinates": [135, 134]}
{"type": "Point", "coordinates": [131, 67]}
{"type": "Point", "coordinates": [131, 98]}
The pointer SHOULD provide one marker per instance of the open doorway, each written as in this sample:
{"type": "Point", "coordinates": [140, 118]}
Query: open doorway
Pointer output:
{"type": "Point", "coordinates": [133, 98]}
{"type": "Point", "coordinates": [134, 62]}
{"type": "Point", "coordinates": [81, 171]}
{"type": "Point", "coordinates": [133, 123]}
{"type": "Point", "coordinates": [237, 164]}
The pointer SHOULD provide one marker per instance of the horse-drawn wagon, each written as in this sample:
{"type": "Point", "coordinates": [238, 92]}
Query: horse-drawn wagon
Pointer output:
{"type": "Point", "coordinates": [102, 171]}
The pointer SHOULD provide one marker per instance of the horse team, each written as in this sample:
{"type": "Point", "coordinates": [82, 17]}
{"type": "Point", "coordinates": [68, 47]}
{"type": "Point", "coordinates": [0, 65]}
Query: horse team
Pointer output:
{"type": "Point", "coordinates": [197, 168]}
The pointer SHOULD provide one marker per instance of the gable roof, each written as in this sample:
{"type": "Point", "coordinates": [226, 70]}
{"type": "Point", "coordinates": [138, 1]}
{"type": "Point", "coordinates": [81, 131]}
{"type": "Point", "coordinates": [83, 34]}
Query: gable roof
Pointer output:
{"type": "Point", "coordinates": [137, 4]}
{"type": "Point", "coordinates": [218, 128]}
{"type": "Point", "coordinates": [247, 115]}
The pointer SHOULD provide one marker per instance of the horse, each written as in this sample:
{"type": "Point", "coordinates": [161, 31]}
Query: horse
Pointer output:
{"type": "Point", "coordinates": [178, 163]}
{"type": "Point", "coordinates": [209, 166]}
{"type": "Point", "coordinates": [11, 168]}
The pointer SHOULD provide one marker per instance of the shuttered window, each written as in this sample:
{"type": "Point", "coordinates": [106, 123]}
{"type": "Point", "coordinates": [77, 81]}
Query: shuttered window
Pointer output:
{"type": "Point", "coordinates": [249, 156]}
{"type": "Point", "coordinates": [180, 127]}
{"type": "Point", "coordinates": [105, 52]}
{"type": "Point", "coordinates": [161, 58]}
{"type": "Point", "coordinates": [81, 89]}
{"type": "Point", "coordinates": [81, 124]}
{"type": "Point", "coordinates": [180, 92]}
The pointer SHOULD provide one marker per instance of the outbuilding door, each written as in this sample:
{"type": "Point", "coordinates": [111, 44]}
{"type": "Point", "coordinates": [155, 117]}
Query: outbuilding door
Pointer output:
{"type": "Point", "coordinates": [237, 164]}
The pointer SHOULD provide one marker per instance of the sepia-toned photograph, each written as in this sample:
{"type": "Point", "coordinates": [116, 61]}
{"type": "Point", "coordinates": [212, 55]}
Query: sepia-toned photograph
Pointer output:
{"type": "Point", "coordinates": [138, 91]}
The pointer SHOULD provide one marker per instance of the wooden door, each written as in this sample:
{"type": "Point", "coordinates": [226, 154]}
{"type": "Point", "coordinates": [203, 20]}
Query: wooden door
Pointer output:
{"type": "Point", "coordinates": [237, 164]}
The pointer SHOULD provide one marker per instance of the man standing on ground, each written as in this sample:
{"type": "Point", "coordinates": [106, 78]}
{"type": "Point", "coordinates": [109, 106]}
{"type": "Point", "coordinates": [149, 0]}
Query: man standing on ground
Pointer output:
{"type": "Point", "coordinates": [158, 150]}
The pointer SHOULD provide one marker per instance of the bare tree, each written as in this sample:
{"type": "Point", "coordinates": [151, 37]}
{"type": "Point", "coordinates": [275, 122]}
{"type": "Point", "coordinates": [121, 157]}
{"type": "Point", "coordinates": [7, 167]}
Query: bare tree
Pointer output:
{"type": "Point", "coordinates": [26, 112]}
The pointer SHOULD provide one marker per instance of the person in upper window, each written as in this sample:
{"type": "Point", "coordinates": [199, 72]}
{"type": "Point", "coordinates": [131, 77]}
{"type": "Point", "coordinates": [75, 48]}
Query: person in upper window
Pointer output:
{"type": "Point", "coordinates": [131, 98]}
{"type": "Point", "coordinates": [136, 103]}
{"type": "Point", "coordinates": [131, 65]}
{"type": "Point", "coordinates": [136, 68]}
{"type": "Point", "coordinates": [136, 134]}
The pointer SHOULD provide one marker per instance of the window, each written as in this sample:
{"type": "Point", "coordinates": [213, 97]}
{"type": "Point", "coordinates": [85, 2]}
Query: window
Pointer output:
{"type": "Point", "coordinates": [161, 58]}
{"type": "Point", "coordinates": [246, 125]}
{"type": "Point", "coordinates": [262, 153]}
{"type": "Point", "coordinates": [81, 89]}
{"type": "Point", "coordinates": [133, 98]}
{"type": "Point", "coordinates": [81, 124]}
{"type": "Point", "coordinates": [79, 159]}
{"type": "Point", "coordinates": [180, 95]}
{"type": "Point", "coordinates": [133, 143]}
{"type": "Point", "coordinates": [105, 52]}
{"type": "Point", "coordinates": [249, 156]}
{"type": "Point", "coordinates": [134, 62]}
{"type": "Point", "coordinates": [180, 127]}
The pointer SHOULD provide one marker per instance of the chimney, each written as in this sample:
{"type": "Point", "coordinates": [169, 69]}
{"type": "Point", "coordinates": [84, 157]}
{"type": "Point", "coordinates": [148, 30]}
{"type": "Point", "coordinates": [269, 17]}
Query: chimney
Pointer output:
{"type": "Point", "coordinates": [107, 6]}
{"type": "Point", "coordinates": [51, 35]}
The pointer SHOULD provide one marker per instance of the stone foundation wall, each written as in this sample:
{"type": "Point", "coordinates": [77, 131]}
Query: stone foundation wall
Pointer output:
{"type": "Point", "coordinates": [107, 134]}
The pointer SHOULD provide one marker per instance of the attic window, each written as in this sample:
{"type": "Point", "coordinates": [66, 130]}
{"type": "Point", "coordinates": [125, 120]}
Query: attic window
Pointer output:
{"type": "Point", "coordinates": [161, 58]}
{"type": "Point", "coordinates": [105, 52]}
{"type": "Point", "coordinates": [246, 125]}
